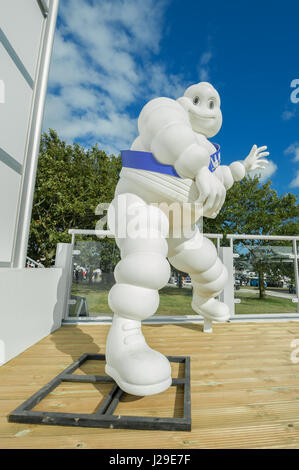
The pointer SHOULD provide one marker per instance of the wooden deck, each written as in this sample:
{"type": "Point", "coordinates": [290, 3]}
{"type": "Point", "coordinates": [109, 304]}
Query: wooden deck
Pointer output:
{"type": "Point", "coordinates": [244, 392]}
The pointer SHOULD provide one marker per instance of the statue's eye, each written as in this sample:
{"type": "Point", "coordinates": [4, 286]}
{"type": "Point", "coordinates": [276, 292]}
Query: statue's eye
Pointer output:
{"type": "Point", "coordinates": [195, 100]}
{"type": "Point", "coordinates": [211, 104]}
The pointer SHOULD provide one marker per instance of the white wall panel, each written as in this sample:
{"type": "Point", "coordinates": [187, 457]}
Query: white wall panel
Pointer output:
{"type": "Point", "coordinates": [9, 192]}
{"type": "Point", "coordinates": [22, 21]}
{"type": "Point", "coordinates": [31, 307]}
{"type": "Point", "coordinates": [15, 111]}
{"type": "Point", "coordinates": [26, 37]}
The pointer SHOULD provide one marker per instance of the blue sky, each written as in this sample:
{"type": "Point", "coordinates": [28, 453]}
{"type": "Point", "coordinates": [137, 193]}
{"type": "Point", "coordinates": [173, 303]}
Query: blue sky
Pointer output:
{"type": "Point", "coordinates": [111, 57]}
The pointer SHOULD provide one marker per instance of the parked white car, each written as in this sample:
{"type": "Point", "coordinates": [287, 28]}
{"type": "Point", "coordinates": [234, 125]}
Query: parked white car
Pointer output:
{"type": "Point", "coordinates": [187, 282]}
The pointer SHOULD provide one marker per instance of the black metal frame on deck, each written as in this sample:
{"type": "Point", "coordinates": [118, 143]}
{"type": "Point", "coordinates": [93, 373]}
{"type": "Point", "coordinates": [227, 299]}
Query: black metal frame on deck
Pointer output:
{"type": "Point", "coordinates": [104, 417]}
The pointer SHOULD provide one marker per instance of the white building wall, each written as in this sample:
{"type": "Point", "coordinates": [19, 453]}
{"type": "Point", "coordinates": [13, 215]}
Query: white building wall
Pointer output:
{"type": "Point", "coordinates": [31, 307]}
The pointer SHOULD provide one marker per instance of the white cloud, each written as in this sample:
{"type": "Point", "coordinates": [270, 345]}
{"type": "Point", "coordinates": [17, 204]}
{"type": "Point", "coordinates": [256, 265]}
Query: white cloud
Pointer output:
{"type": "Point", "coordinates": [265, 173]}
{"type": "Point", "coordinates": [161, 84]}
{"type": "Point", "coordinates": [293, 149]}
{"type": "Point", "coordinates": [295, 181]}
{"type": "Point", "coordinates": [287, 115]}
{"type": "Point", "coordinates": [203, 69]}
{"type": "Point", "coordinates": [104, 62]}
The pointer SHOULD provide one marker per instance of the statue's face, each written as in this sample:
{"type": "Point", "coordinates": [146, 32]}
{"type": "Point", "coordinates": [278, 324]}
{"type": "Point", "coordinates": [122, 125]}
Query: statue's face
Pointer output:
{"type": "Point", "coordinates": [202, 103]}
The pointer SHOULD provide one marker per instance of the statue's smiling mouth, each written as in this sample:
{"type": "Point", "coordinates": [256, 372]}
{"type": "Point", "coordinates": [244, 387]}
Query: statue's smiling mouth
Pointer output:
{"type": "Point", "coordinates": [200, 116]}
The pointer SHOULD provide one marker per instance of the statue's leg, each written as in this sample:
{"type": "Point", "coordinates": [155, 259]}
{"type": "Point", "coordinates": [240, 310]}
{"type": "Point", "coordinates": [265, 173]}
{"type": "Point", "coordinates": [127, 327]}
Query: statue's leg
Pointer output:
{"type": "Point", "coordinates": [198, 257]}
{"type": "Point", "coordinates": [143, 269]}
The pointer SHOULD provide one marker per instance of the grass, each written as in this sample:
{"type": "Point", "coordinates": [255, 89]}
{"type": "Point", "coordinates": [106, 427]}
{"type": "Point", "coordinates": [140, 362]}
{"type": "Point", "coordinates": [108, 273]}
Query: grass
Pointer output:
{"type": "Point", "coordinates": [251, 303]}
{"type": "Point", "coordinates": [175, 301]}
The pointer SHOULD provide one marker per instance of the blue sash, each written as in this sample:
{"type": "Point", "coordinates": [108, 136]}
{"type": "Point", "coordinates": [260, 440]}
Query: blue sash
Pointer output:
{"type": "Point", "coordinates": [215, 159]}
{"type": "Point", "coordinates": [146, 161]}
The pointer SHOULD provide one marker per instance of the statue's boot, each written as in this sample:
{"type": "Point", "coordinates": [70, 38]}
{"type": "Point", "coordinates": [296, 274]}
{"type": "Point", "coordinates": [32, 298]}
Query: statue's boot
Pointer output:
{"type": "Point", "coordinates": [136, 368]}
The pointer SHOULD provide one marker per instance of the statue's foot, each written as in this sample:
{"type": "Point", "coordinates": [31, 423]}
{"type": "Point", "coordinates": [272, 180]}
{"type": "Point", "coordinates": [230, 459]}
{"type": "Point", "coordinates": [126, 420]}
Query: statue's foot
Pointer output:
{"type": "Point", "coordinates": [211, 309]}
{"type": "Point", "coordinates": [136, 368]}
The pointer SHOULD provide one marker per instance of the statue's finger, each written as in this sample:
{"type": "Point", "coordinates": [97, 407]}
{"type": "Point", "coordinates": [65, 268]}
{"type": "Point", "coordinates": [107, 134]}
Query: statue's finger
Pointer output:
{"type": "Point", "coordinates": [260, 149]}
{"type": "Point", "coordinates": [264, 154]}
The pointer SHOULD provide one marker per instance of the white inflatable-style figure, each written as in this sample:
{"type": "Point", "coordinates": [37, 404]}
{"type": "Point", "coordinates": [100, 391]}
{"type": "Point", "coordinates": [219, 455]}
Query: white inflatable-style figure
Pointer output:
{"type": "Point", "coordinates": [171, 160]}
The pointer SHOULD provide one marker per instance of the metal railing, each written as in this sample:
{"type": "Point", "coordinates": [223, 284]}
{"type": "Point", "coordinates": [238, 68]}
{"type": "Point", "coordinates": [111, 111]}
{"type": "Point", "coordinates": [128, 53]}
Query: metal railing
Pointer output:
{"type": "Point", "coordinates": [98, 233]}
{"type": "Point", "coordinates": [30, 263]}
{"type": "Point", "coordinates": [109, 234]}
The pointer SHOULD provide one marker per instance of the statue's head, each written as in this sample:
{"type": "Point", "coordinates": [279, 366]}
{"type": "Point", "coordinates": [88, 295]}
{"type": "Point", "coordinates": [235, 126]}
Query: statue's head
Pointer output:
{"type": "Point", "coordinates": [202, 103]}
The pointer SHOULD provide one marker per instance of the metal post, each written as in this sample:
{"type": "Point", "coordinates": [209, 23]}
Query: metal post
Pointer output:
{"type": "Point", "coordinates": [64, 260]}
{"type": "Point", "coordinates": [227, 295]}
{"type": "Point", "coordinates": [207, 326]}
{"type": "Point", "coordinates": [32, 152]}
{"type": "Point", "coordinates": [43, 7]}
{"type": "Point", "coordinates": [296, 271]}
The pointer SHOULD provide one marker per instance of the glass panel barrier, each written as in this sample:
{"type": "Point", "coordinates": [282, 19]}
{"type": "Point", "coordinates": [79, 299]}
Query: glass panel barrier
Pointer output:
{"type": "Point", "coordinates": [93, 266]}
{"type": "Point", "coordinates": [264, 277]}
{"type": "Point", "coordinates": [94, 261]}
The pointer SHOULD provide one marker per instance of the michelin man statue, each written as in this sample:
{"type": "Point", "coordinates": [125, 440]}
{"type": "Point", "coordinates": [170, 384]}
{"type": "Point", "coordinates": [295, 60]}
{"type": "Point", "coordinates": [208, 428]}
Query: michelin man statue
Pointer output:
{"type": "Point", "coordinates": [171, 161]}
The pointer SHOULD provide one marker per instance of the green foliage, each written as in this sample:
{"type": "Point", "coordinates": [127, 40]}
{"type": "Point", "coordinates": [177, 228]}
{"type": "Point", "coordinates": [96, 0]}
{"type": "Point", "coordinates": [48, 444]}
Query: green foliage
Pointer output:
{"type": "Point", "coordinates": [253, 208]}
{"type": "Point", "coordinates": [71, 181]}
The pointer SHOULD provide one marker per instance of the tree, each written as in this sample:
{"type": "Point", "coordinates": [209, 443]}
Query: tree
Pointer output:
{"type": "Point", "coordinates": [71, 181]}
{"type": "Point", "coordinates": [252, 208]}
{"type": "Point", "coordinates": [272, 261]}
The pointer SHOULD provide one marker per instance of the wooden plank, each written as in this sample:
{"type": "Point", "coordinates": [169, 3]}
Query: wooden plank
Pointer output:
{"type": "Point", "coordinates": [244, 390]}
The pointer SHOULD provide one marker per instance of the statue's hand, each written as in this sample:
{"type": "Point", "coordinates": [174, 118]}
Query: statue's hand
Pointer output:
{"type": "Point", "coordinates": [211, 192]}
{"type": "Point", "coordinates": [254, 159]}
